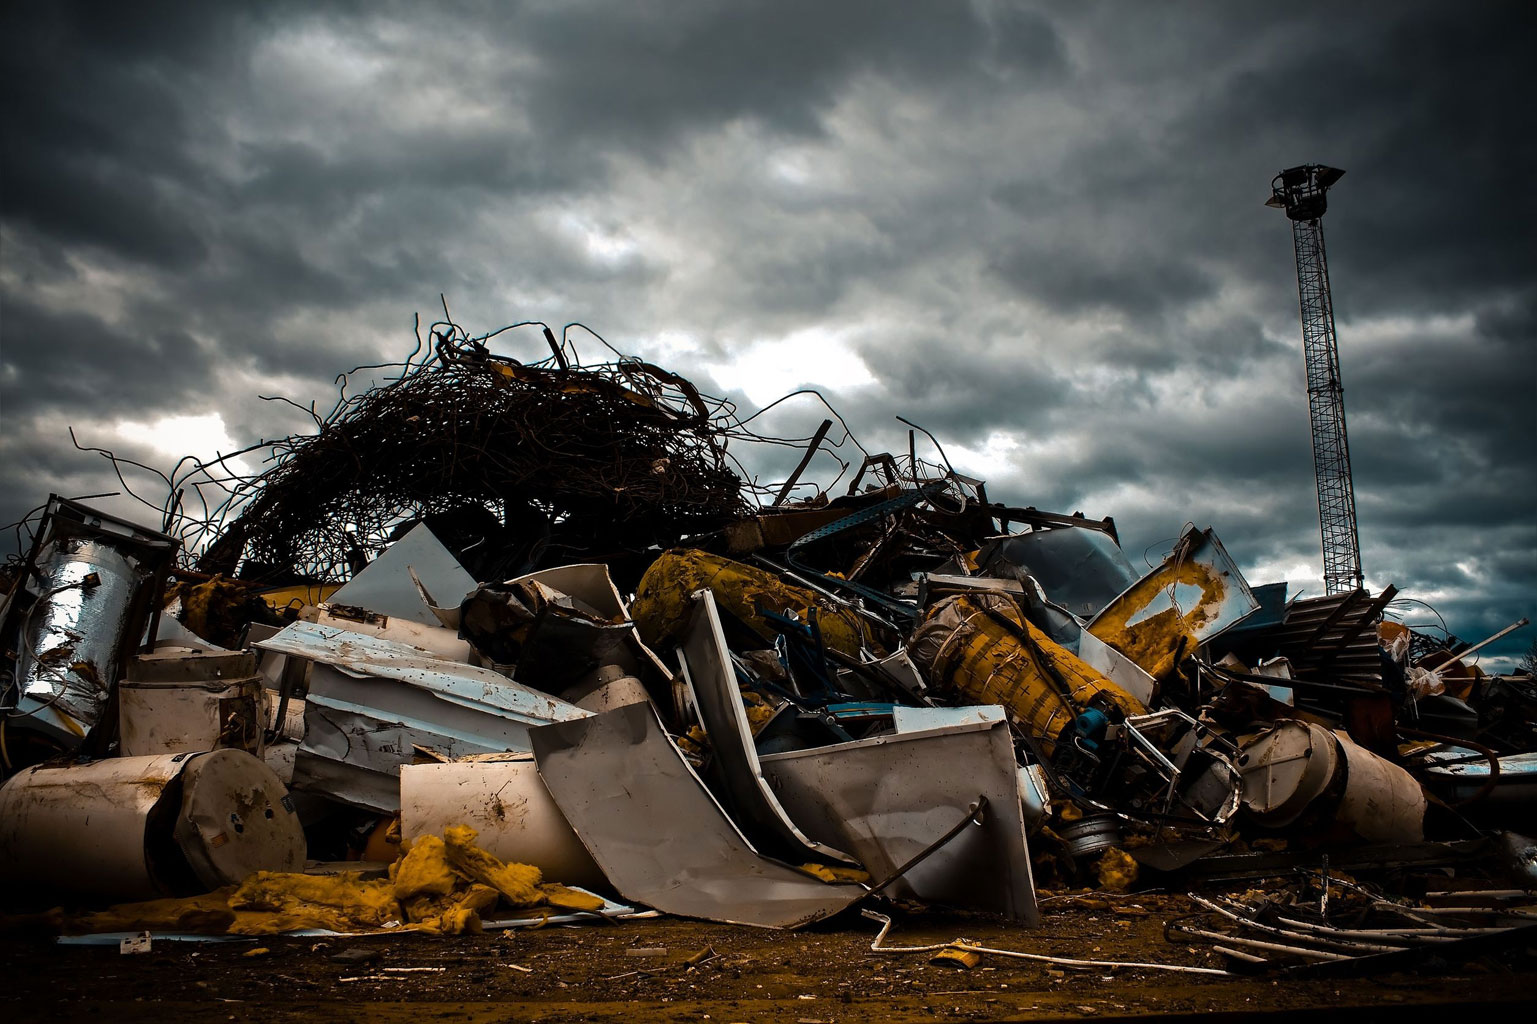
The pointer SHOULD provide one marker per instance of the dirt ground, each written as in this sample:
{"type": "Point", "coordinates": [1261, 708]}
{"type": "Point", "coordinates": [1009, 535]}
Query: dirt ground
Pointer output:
{"type": "Point", "coordinates": [641, 971]}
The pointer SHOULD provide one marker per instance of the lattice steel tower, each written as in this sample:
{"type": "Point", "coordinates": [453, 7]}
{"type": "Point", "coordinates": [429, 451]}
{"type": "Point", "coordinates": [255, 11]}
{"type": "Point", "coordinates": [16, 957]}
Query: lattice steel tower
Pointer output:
{"type": "Point", "coordinates": [1303, 193]}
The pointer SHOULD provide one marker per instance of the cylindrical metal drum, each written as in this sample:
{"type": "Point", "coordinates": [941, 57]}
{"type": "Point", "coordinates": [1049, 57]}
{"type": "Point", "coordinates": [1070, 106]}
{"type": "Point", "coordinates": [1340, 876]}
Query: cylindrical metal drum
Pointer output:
{"type": "Point", "coordinates": [503, 798]}
{"type": "Point", "coordinates": [132, 828]}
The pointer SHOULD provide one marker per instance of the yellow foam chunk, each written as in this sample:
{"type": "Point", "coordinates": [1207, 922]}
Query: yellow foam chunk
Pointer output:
{"type": "Point", "coordinates": [423, 871]}
{"type": "Point", "coordinates": [518, 883]}
{"type": "Point", "coordinates": [568, 898]}
{"type": "Point", "coordinates": [830, 874]}
{"type": "Point", "coordinates": [342, 902]}
{"type": "Point", "coordinates": [1117, 870]}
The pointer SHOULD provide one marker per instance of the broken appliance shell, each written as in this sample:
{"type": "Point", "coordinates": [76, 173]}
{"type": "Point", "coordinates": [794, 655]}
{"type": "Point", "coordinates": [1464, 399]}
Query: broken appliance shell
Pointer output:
{"type": "Point", "coordinates": [660, 836]}
{"type": "Point", "coordinates": [711, 679]}
{"type": "Point", "coordinates": [77, 622]}
{"type": "Point", "coordinates": [1194, 595]}
{"type": "Point", "coordinates": [372, 701]}
{"type": "Point", "coordinates": [888, 798]}
{"type": "Point", "coordinates": [174, 702]}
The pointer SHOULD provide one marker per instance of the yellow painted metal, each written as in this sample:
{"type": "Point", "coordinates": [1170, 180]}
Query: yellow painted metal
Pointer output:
{"type": "Point", "coordinates": [1157, 642]}
{"type": "Point", "coordinates": [662, 606]}
{"type": "Point", "coordinates": [969, 651]}
{"type": "Point", "coordinates": [304, 593]}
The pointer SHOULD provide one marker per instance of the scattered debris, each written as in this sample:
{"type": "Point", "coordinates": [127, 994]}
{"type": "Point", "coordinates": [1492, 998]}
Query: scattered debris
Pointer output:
{"type": "Point", "coordinates": [504, 643]}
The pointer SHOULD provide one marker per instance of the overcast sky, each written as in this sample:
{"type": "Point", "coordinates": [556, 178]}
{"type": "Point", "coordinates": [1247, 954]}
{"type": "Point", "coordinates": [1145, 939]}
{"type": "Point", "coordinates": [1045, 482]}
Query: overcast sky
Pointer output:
{"type": "Point", "coordinates": [1036, 229]}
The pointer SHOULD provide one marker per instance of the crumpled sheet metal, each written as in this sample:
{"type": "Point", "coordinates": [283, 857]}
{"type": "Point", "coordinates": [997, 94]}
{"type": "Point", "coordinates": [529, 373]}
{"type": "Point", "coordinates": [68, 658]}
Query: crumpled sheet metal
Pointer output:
{"type": "Point", "coordinates": [558, 626]}
{"type": "Point", "coordinates": [363, 656]}
{"type": "Point", "coordinates": [962, 648]}
{"type": "Point", "coordinates": [659, 835]}
{"type": "Point", "coordinates": [712, 684]}
{"type": "Point", "coordinates": [1117, 668]}
{"type": "Point", "coordinates": [392, 584]}
{"type": "Point", "coordinates": [663, 609]}
{"type": "Point", "coordinates": [372, 700]}
{"type": "Point", "coordinates": [887, 798]}
{"type": "Point", "coordinates": [1195, 594]}
{"type": "Point", "coordinates": [438, 641]}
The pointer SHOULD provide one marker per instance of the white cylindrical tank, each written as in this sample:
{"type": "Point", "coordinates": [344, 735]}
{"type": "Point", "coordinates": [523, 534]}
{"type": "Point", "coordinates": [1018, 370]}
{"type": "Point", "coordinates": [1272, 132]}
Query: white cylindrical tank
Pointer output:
{"type": "Point", "coordinates": [133, 828]}
{"type": "Point", "coordinates": [503, 798]}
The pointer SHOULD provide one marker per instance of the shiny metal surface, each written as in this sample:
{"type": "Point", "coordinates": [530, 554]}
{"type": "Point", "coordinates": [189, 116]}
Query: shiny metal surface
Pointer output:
{"type": "Point", "coordinates": [74, 633]}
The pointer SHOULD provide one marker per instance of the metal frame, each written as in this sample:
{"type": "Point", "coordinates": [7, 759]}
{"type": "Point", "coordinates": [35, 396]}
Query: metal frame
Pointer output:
{"type": "Point", "coordinates": [1302, 193]}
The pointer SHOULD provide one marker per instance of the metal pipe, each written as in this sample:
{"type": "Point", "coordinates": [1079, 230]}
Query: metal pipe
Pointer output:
{"type": "Point", "coordinates": [811, 449]}
{"type": "Point", "coordinates": [1271, 947]}
{"type": "Point", "coordinates": [1363, 947]}
{"type": "Point", "coordinates": [1479, 646]}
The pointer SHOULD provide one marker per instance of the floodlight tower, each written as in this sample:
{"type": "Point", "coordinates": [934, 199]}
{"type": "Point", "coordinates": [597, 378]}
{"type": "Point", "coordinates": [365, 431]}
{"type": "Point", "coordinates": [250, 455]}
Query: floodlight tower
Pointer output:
{"type": "Point", "coordinates": [1303, 193]}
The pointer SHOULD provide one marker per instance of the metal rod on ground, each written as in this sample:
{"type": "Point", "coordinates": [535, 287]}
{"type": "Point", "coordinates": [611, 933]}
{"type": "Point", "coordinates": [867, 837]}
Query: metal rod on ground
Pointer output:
{"type": "Point", "coordinates": [1237, 954]}
{"type": "Point", "coordinates": [1271, 947]}
{"type": "Point", "coordinates": [885, 922]}
{"type": "Point", "coordinates": [1359, 947]}
{"type": "Point", "coordinates": [811, 449]}
{"type": "Point", "coordinates": [1413, 935]}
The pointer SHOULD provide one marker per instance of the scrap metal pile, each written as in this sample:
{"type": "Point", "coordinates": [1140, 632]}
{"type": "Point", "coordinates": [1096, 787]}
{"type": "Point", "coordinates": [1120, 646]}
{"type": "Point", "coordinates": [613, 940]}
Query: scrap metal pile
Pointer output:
{"type": "Point", "coordinates": [504, 625]}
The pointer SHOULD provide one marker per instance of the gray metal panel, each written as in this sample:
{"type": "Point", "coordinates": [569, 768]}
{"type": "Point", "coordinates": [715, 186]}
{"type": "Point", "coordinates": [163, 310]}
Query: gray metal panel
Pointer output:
{"type": "Point", "coordinates": [658, 834]}
{"type": "Point", "coordinates": [385, 585]}
{"type": "Point", "coordinates": [361, 655]}
{"type": "Point", "coordinates": [888, 798]}
{"type": "Point", "coordinates": [371, 700]}
{"type": "Point", "coordinates": [712, 683]}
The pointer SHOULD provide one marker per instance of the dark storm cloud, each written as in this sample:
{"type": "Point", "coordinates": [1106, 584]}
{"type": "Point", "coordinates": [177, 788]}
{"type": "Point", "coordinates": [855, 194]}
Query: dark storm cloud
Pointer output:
{"type": "Point", "coordinates": [640, 74]}
{"type": "Point", "coordinates": [1039, 228]}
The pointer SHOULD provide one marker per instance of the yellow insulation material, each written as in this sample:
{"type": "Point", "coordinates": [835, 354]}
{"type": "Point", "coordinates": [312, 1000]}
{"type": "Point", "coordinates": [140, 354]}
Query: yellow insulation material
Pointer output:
{"type": "Point", "coordinates": [342, 902]}
{"type": "Point", "coordinates": [966, 650]}
{"type": "Point", "coordinates": [1117, 870]}
{"type": "Point", "coordinates": [567, 898]}
{"type": "Point", "coordinates": [424, 870]}
{"type": "Point", "coordinates": [518, 883]}
{"type": "Point", "coordinates": [441, 886]}
{"type": "Point", "coordinates": [201, 915]}
{"type": "Point", "coordinates": [662, 607]}
{"type": "Point", "coordinates": [834, 875]}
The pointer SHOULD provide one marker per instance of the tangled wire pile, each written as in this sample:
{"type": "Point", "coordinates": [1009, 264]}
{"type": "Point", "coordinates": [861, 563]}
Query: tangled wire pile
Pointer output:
{"type": "Point", "coordinates": [581, 462]}
{"type": "Point", "coordinates": [531, 464]}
